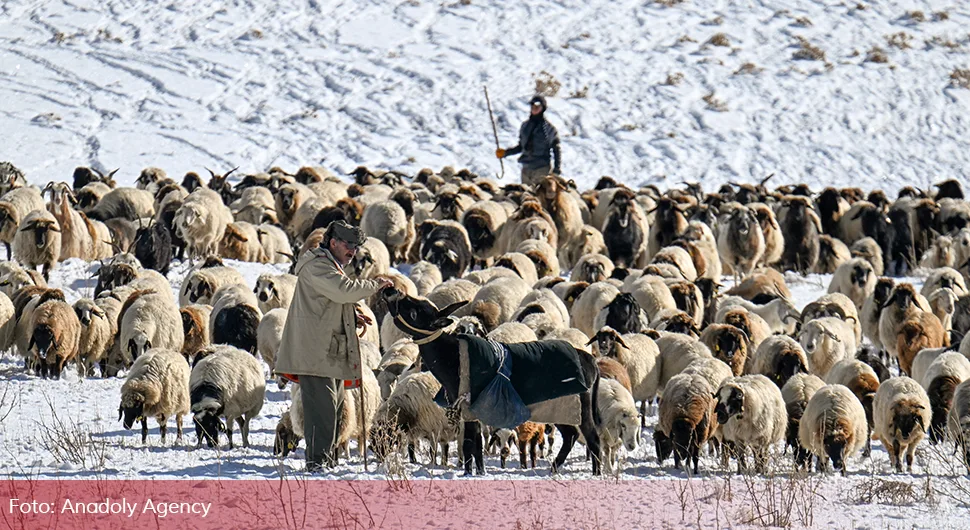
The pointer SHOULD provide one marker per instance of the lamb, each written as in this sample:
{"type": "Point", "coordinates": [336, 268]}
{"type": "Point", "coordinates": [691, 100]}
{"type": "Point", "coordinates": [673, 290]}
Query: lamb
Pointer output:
{"type": "Point", "coordinates": [741, 243]}
{"type": "Point", "coordinates": [941, 379]}
{"type": "Point", "coordinates": [700, 235]}
{"type": "Point", "coordinates": [38, 241]}
{"type": "Point", "coordinates": [235, 317]}
{"type": "Point", "coordinates": [779, 358]}
{"type": "Point", "coordinates": [275, 244]}
{"type": "Point", "coordinates": [639, 354]}
{"type": "Point", "coordinates": [855, 279]}
{"type": "Point", "coordinates": [588, 242]}
{"type": "Point", "coordinates": [96, 335]}
{"type": "Point", "coordinates": [862, 380]}
{"type": "Point", "coordinates": [14, 206]}
{"type": "Point", "coordinates": [686, 418]}
{"type": "Point", "coordinates": [201, 221]}
{"type": "Point", "coordinates": [55, 334]}
{"type": "Point", "coordinates": [867, 249]}
{"type": "Point", "coordinates": [831, 254]}
{"type": "Point", "coordinates": [127, 203]}
{"type": "Point", "coordinates": [274, 291]}
{"type": "Point", "coordinates": [195, 328]}
{"type": "Point", "coordinates": [240, 241]}
{"type": "Point", "coordinates": [149, 320]}
{"type": "Point", "coordinates": [751, 413]}
{"type": "Point", "coordinates": [226, 383]}
{"type": "Point", "coordinates": [774, 239]}
{"type": "Point", "coordinates": [618, 421]}
{"type": "Point", "coordinates": [872, 310]}
{"type": "Point", "coordinates": [901, 415]}
{"type": "Point", "coordinates": [426, 276]}
{"type": "Point", "coordinates": [827, 341]}
{"type": "Point", "coordinates": [958, 423]}
{"type": "Point", "coordinates": [592, 268]}
{"type": "Point", "coordinates": [199, 286]}
{"type": "Point", "coordinates": [157, 387]}
{"type": "Point", "coordinates": [797, 392]}
{"type": "Point", "coordinates": [625, 230]}
{"type": "Point", "coordinates": [833, 426]}
{"type": "Point", "coordinates": [269, 335]}
{"type": "Point", "coordinates": [392, 223]}
{"type": "Point", "coordinates": [410, 412]}
{"type": "Point", "coordinates": [80, 237]}
{"type": "Point", "coordinates": [728, 344]}
{"type": "Point", "coordinates": [497, 300]}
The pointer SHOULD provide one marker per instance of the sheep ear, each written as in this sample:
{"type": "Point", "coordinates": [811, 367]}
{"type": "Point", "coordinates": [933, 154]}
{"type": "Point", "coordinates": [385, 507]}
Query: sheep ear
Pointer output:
{"type": "Point", "coordinates": [592, 340]}
{"type": "Point", "coordinates": [833, 336]}
{"type": "Point", "coordinates": [621, 342]}
{"type": "Point", "coordinates": [443, 322]}
{"type": "Point", "coordinates": [119, 413]}
{"type": "Point", "coordinates": [448, 310]}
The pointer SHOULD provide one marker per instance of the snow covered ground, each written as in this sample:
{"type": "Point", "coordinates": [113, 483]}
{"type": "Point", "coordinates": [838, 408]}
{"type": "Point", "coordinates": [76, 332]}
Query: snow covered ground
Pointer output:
{"type": "Point", "coordinates": [701, 90]}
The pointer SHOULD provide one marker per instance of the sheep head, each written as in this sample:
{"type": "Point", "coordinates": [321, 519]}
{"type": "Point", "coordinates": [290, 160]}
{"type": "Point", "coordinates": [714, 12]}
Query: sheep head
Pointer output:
{"type": "Point", "coordinates": [835, 443]}
{"type": "Point", "coordinates": [730, 403]}
{"type": "Point", "coordinates": [265, 290]}
{"type": "Point", "coordinates": [628, 429]}
{"type": "Point", "coordinates": [788, 362]}
{"type": "Point", "coordinates": [43, 341]}
{"type": "Point", "coordinates": [286, 440]}
{"type": "Point", "coordinates": [623, 314]}
{"type": "Point", "coordinates": [606, 340]}
{"type": "Point", "coordinates": [860, 273]}
{"type": "Point", "coordinates": [903, 296]}
{"type": "Point", "coordinates": [137, 345]}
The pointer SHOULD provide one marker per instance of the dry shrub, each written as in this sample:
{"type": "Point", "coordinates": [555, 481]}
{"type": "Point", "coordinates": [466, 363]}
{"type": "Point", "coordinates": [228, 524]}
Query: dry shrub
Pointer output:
{"type": "Point", "coordinates": [719, 39]}
{"type": "Point", "coordinates": [876, 55]}
{"type": "Point", "coordinates": [940, 16]}
{"type": "Point", "coordinates": [674, 79]}
{"type": "Point", "coordinates": [803, 22]}
{"type": "Point", "coordinates": [716, 21]}
{"type": "Point", "coordinates": [780, 499]}
{"type": "Point", "coordinates": [685, 38]}
{"type": "Point", "coordinates": [901, 40]}
{"type": "Point", "coordinates": [715, 104]}
{"type": "Point", "coordinates": [669, 3]}
{"type": "Point", "coordinates": [580, 94]}
{"type": "Point", "coordinates": [546, 84]}
{"type": "Point", "coordinates": [807, 51]}
{"type": "Point", "coordinates": [748, 68]}
{"type": "Point", "coordinates": [69, 443]}
{"type": "Point", "coordinates": [916, 16]}
{"type": "Point", "coordinates": [940, 41]}
{"type": "Point", "coordinates": [892, 492]}
{"type": "Point", "coordinates": [960, 77]}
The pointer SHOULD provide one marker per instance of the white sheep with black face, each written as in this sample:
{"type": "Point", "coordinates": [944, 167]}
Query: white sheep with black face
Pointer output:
{"type": "Point", "coordinates": [275, 291]}
{"type": "Point", "coordinates": [752, 413]}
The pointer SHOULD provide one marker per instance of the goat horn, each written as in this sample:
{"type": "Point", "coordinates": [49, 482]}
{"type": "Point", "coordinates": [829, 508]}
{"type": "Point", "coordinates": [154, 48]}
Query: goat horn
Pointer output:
{"type": "Point", "coordinates": [111, 174]}
{"type": "Point", "coordinates": [213, 173]}
{"type": "Point", "coordinates": [230, 171]}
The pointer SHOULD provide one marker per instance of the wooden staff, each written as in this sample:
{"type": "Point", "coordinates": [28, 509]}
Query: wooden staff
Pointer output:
{"type": "Point", "coordinates": [494, 130]}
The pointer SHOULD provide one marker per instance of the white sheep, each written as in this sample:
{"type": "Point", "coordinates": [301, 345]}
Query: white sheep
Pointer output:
{"type": "Point", "coordinates": [81, 237]}
{"type": "Point", "coordinates": [941, 379]}
{"type": "Point", "coordinates": [8, 323]}
{"type": "Point", "coordinates": [796, 393]}
{"type": "Point", "coordinates": [38, 241]}
{"type": "Point", "coordinates": [199, 286]}
{"type": "Point", "coordinates": [274, 291]}
{"type": "Point", "coordinates": [592, 268]}
{"type": "Point", "coordinates": [426, 276]}
{"type": "Point", "coordinates": [940, 254]}
{"type": "Point", "coordinates": [619, 421]}
{"type": "Point", "coordinates": [127, 203]}
{"type": "Point", "coordinates": [543, 301]}
{"type": "Point", "coordinates": [399, 357]}
{"type": "Point", "coordinates": [855, 279]}
{"type": "Point", "coordinates": [588, 242]}
{"type": "Point", "coordinates": [269, 335]}
{"type": "Point", "coordinates": [19, 277]}
{"type": "Point", "coordinates": [410, 415]}
{"type": "Point", "coordinates": [589, 304]}
{"type": "Point", "coordinates": [520, 264]}
{"type": "Point", "coordinates": [388, 222]}
{"type": "Point", "coordinates": [542, 255]}
{"type": "Point", "coordinates": [944, 277]}
{"type": "Point", "coordinates": [958, 421]}
{"type": "Point", "coordinates": [780, 314]}
{"type": "Point", "coordinates": [901, 415]}
{"type": "Point", "coordinates": [254, 204]}
{"type": "Point", "coordinates": [484, 222]}
{"type": "Point", "coordinates": [14, 206]}
{"type": "Point", "coordinates": [571, 335]}
{"type": "Point", "coordinates": [201, 221]}
{"type": "Point", "coordinates": [778, 358]}
{"type": "Point", "coordinates": [677, 352]}
{"type": "Point", "coordinates": [275, 243]}
{"type": "Point", "coordinates": [497, 300]}
{"type": "Point", "coordinates": [151, 320]}
{"type": "Point", "coordinates": [943, 304]}
{"type": "Point", "coordinates": [371, 260]}
{"type": "Point", "coordinates": [96, 336]}
{"type": "Point", "coordinates": [55, 334]}
{"type": "Point", "coordinates": [751, 413]}
{"type": "Point", "coordinates": [714, 371]}
{"type": "Point", "coordinates": [240, 241]}
{"type": "Point", "coordinates": [227, 382]}
{"type": "Point", "coordinates": [833, 426]}
{"type": "Point", "coordinates": [827, 341]}
{"type": "Point", "coordinates": [680, 259]}
{"type": "Point", "coordinates": [703, 239]}
{"type": "Point", "coordinates": [512, 333]}
{"type": "Point", "coordinates": [157, 386]}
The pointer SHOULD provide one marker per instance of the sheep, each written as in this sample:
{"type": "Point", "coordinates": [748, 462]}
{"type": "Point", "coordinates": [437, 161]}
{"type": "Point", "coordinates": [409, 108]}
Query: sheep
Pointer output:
{"type": "Point", "coordinates": [679, 258]}
{"type": "Point", "coordinates": [398, 358]}
{"type": "Point", "coordinates": [701, 236]}
{"type": "Point", "coordinates": [796, 393]}
{"type": "Point", "coordinates": [826, 341]}
{"type": "Point", "coordinates": [751, 413]}
{"type": "Point", "coordinates": [512, 333]}
{"type": "Point", "coordinates": [611, 369]}
{"type": "Point", "coordinates": [38, 241]}
{"type": "Point", "coordinates": [862, 380]}
{"type": "Point", "coordinates": [127, 203]}
{"type": "Point", "coordinates": [588, 242]}
{"type": "Point", "coordinates": [11, 281]}
{"type": "Point", "coordinates": [11, 178]}
{"type": "Point", "coordinates": [481, 277]}
{"type": "Point", "coordinates": [450, 205]}
{"type": "Point", "coordinates": [867, 249]}
{"type": "Point", "coordinates": [542, 255]}
{"type": "Point", "coordinates": [780, 314]}
{"type": "Point", "coordinates": [8, 323]}
{"type": "Point", "coordinates": [446, 244]}
{"type": "Point", "coordinates": [199, 286]}
{"type": "Point", "coordinates": [96, 335]}
{"type": "Point", "coordinates": [274, 243]}
{"type": "Point", "coordinates": [689, 299]}
{"type": "Point", "coordinates": [484, 222]}
{"type": "Point", "coordinates": [195, 328]}
{"type": "Point", "coordinates": [274, 291]}
{"type": "Point", "coordinates": [528, 221]}
{"type": "Point", "coordinates": [410, 414]}
{"type": "Point", "coordinates": [941, 379]}
{"type": "Point", "coordinates": [677, 352]}
{"type": "Point", "coordinates": [872, 310]}
{"type": "Point", "coordinates": [14, 206]}
{"type": "Point", "coordinates": [157, 386]}
{"type": "Point", "coordinates": [152, 246]}
{"type": "Point", "coordinates": [269, 335]}
{"type": "Point", "coordinates": [235, 317]}
{"type": "Point", "coordinates": [592, 268]}
{"type": "Point", "coordinates": [569, 292]}
{"type": "Point", "coordinates": [686, 419]}
{"type": "Point", "coordinates": [940, 254]}
{"type": "Point", "coordinates": [426, 276]}
{"type": "Point", "coordinates": [55, 334]}
{"type": "Point", "coordinates": [497, 300]}
{"type": "Point", "coordinates": [834, 305]}
{"type": "Point", "coordinates": [25, 300]}
{"type": "Point", "coordinates": [529, 434]}
{"type": "Point", "coordinates": [651, 293]}
{"type": "Point", "coordinates": [901, 415]}
{"type": "Point", "coordinates": [958, 423]}
{"type": "Point", "coordinates": [944, 278]}
{"type": "Point", "coordinates": [670, 222]}
{"type": "Point", "coordinates": [831, 254]}
{"type": "Point", "coordinates": [625, 231]}
{"type": "Point", "coordinates": [618, 421]}
{"type": "Point", "coordinates": [563, 207]}
{"type": "Point", "coordinates": [453, 291]}
{"type": "Point", "coordinates": [715, 371]}
{"type": "Point", "coordinates": [774, 239]}
{"type": "Point", "coordinates": [761, 286]}
{"type": "Point", "coordinates": [920, 331]}
{"type": "Point", "coordinates": [831, 207]}
{"type": "Point", "coordinates": [149, 320]}
{"type": "Point", "coordinates": [639, 354]}
{"type": "Point", "coordinates": [571, 335]}
{"type": "Point", "coordinates": [201, 221]}
{"type": "Point", "coordinates": [255, 205]}
{"type": "Point", "coordinates": [545, 302]}
{"type": "Point", "coordinates": [229, 383]}
{"type": "Point", "coordinates": [943, 304]}
{"type": "Point", "coordinates": [80, 237]}
{"type": "Point", "coordinates": [349, 423]}
{"type": "Point", "coordinates": [728, 344]}
{"type": "Point", "coordinates": [855, 279]}
{"type": "Point", "coordinates": [392, 223]}
{"type": "Point", "coordinates": [779, 358]}
{"type": "Point", "coordinates": [833, 426]}
{"type": "Point", "coordinates": [520, 264]}
{"type": "Point", "coordinates": [741, 243]}
{"type": "Point", "coordinates": [623, 314]}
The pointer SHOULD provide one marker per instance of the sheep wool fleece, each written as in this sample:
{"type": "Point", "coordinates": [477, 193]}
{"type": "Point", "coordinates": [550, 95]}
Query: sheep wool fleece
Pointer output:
{"type": "Point", "coordinates": [545, 374]}
{"type": "Point", "coordinates": [319, 337]}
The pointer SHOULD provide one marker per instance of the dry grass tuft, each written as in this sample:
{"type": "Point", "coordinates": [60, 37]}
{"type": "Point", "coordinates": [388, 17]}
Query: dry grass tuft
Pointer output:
{"type": "Point", "coordinates": [916, 16]}
{"type": "Point", "coordinates": [803, 22]}
{"type": "Point", "coordinates": [960, 77]}
{"type": "Point", "coordinates": [674, 79]}
{"type": "Point", "coordinates": [876, 55]}
{"type": "Point", "coordinates": [901, 40]}
{"type": "Point", "coordinates": [715, 104]}
{"type": "Point", "coordinates": [580, 93]}
{"type": "Point", "coordinates": [892, 492]}
{"type": "Point", "coordinates": [941, 41]}
{"type": "Point", "coordinates": [748, 68]}
{"type": "Point", "coordinates": [669, 3]}
{"type": "Point", "coordinates": [940, 16]}
{"type": "Point", "coordinates": [719, 39]}
{"type": "Point", "coordinates": [807, 51]}
{"type": "Point", "coordinates": [716, 21]}
{"type": "Point", "coordinates": [546, 84]}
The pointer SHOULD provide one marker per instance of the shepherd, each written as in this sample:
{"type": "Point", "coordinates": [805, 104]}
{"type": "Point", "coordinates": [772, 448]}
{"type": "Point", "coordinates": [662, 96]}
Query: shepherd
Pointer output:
{"type": "Point", "coordinates": [537, 139]}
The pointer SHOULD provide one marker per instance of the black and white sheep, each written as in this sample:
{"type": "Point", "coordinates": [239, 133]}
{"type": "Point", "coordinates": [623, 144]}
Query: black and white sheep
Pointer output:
{"type": "Point", "coordinates": [235, 317]}
{"type": "Point", "coordinates": [751, 413]}
{"type": "Point", "coordinates": [227, 383]}
{"type": "Point", "coordinates": [901, 416]}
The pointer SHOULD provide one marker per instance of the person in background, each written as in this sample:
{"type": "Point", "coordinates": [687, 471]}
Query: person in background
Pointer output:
{"type": "Point", "coordinates": [320, 348]}
{"type": "Point", "coordinates": [537, 140]}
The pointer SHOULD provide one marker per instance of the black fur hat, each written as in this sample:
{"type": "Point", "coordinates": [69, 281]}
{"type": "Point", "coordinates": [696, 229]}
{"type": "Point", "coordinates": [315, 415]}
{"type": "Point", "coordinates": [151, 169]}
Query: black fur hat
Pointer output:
{"type": "Point", "coordinates": [540, 100]}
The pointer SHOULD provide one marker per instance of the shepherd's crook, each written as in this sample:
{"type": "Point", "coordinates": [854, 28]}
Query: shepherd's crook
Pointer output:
{"type": "Point", "coordinates": [494, 130]}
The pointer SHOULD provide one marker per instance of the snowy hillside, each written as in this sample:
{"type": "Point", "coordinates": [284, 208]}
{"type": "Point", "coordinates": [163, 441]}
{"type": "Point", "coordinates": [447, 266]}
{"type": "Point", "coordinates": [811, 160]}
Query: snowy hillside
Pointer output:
{"type": "Point", "coordinates": [702, 89]}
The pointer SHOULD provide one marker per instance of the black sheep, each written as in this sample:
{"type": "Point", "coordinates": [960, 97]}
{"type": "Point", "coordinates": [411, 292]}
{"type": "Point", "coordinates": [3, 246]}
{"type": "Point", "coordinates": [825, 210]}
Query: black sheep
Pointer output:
{"type": "Point", "coordinates": [166, 219]}
{"type": "Point", "coordinates": [192, 181]}
{"type": "Point", "coordinates": [902, 254]}
{"type": "Point", "coordinates": [949, 189]}
{"type": "Point", "coordinates": [236, 326]}
{"type": "Point", "coordinates": [153, 247]}
{"type": "Point", "coordinates": [876, 224]}
{"type": "Point", "coordinates": [623, 314]}
{"type": "Point", "coordinates": [801, 230]}
{"type": "Point", "coordinates": [86, 175]}
{"type": "Point", "coordinates": [670, 221]}
{"type": "Point", "coordinates": [828, 204]}
{"type": "Point", "coordinates": [622, 230]}
{"type": "Point", "coordinates": [447, 247]}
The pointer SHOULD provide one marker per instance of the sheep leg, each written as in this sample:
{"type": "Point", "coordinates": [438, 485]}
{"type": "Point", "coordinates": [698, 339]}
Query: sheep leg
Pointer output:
{"type": "Point", "coordinates": [411, 458]}
{"type": "Point", "coordinates": [643, 414]}
{"type": "Point", "coordinates": [569, 436]}
{"type": "Point", "coordinates": [695, 454]}
{"type": "Point", "coordinates": [588, 428]}
{"type": "Point", "coordinates": [244, 430]}
{"type": "Point", "coordinates": [533, 447]}
{"type": "Point", "coordinates": [178, 429]}
{"type": "Point", "coordinates": [229, 422]}
{"type": "Point", "coordinates": [46, 272]}
{"type": "Point", "coordinates": [910, 453]}
{"type": "Point", "coordinates": [144, 429]}
{"type": "Point", "coordinates": [162, 427]}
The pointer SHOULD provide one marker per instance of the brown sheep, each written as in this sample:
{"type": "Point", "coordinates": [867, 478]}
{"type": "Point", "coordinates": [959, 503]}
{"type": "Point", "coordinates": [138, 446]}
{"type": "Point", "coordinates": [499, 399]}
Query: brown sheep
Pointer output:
{"type": "Point", "coordinates": [55, 335]}
{"type": "Point", "coordinates": [611, 369]}
{"type": "Point", "coordinates": [728, 344]}
{"type": "Point", "coordinates": [554, 195]}
{"type": "Point", "coordinates": [532, 434]}
{"type": "Point", "coordinates": [686, 419]}
{"type": "Point", "coordinates": [195, 325]}
{"type": "Point", "coordinates": [921, 331]}
{"type": "Point", "coordinates": [768, 282]}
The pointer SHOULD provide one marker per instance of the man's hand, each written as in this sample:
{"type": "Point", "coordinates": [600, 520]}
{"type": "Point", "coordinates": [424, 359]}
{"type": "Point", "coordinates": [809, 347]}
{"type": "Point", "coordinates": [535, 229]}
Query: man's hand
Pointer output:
{"type": "Point", "coordinates": [385, 283]}
{"type": "Point", "coordinates": [363, 320]}
{"type": "Point", "coordinates": [500, 153]}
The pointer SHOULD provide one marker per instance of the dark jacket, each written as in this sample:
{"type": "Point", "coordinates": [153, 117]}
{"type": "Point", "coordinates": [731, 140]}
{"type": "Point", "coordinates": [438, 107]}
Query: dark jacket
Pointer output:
{"type": "Point", "coordinates": [537, 137]}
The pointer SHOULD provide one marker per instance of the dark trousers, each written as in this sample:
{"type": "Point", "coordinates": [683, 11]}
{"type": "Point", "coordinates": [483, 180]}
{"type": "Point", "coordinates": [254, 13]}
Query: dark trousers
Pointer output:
{"type": "Point", "coordinates": [322, 398]}
{"type": "Point", "coordinates": [531, 177]}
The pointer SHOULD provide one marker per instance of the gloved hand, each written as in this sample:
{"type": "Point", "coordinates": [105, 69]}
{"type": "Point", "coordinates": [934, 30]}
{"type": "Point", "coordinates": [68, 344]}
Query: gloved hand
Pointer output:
{"type": "Point", "coordinates": [500, 153]}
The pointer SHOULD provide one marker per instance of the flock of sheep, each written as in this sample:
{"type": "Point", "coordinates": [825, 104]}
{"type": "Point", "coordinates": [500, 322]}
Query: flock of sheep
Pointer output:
{"type": "Point", "coordinates": [743, 370]}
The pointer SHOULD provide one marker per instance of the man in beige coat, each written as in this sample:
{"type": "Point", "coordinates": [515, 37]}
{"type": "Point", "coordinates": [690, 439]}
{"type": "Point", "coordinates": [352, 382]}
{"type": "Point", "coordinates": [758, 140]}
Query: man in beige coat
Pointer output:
{"type": "Point", "coordinates": [320, 344]}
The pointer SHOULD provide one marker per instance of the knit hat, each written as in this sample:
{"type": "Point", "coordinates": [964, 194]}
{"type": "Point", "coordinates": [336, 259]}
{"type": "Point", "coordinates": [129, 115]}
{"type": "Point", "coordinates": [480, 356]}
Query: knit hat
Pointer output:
{"type": "Point", "coordinates": [540, 100]}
